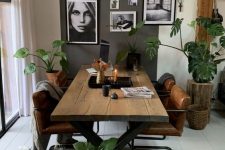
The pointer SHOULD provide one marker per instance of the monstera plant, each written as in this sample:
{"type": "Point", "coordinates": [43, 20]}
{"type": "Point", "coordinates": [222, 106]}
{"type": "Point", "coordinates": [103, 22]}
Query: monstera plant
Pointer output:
{"type": "Point", "coordinates": [202, 55]}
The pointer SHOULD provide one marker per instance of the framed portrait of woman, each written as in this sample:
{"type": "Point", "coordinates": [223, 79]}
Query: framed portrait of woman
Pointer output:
{"type": "Point", "coordinates": [159, 11]}
{"type": "Point", "coordinates": [82, 18]}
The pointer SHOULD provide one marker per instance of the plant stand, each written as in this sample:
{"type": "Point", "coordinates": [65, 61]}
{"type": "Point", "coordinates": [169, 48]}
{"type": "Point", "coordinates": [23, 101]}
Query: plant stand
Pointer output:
{"type": "Point", "coordinates": [200, 93]}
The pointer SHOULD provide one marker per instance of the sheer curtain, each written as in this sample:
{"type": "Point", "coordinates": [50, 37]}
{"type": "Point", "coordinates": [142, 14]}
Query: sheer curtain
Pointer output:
{"type": "Point", "coordinates": [23, 36]}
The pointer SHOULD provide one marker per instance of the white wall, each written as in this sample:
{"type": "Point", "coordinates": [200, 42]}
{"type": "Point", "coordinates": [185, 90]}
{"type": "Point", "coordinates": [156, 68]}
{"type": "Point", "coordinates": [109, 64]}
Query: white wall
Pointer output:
{"type": "Point", "coordinates": [47, 25]}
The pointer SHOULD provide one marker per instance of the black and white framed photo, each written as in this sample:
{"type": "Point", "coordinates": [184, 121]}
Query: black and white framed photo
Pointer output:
{"type": "Point", "coordinates": [122, 21]}
{"type": "Point", "coordinates": [114, 4]}
{"type": "Point", "coordinates": [132, 2]}
{"type": "Point", "coordinates": [82, 18]}
{"type": "Point", "coordinates": [159, 11]}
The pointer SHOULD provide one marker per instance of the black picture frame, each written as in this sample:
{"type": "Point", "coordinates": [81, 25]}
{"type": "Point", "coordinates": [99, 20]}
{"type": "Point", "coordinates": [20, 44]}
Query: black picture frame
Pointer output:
{"type": "Point", "coordinates": [159, 12]}
{"type": "Point", "coordinates": [82, 21]}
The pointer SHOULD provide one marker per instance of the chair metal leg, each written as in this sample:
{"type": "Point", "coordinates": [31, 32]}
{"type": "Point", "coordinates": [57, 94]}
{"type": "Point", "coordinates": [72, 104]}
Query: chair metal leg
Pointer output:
{"type": "Point", "coordinates": [152, 147]}
{"type": "Point", "coordinates": [97, 127]}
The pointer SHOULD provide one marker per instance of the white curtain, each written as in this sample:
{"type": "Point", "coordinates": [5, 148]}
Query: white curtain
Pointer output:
{"type": "Point", "coordinates": [23, 36]}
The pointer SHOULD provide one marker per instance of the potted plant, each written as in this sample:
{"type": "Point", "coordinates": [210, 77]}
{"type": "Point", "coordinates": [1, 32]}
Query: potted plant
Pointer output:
{"type": "Point", "coordinates": [133, 58]}
{"type": "Point", "coordinates": [202, 56]}
{"type": "Point", "coordinates": [49, 59]}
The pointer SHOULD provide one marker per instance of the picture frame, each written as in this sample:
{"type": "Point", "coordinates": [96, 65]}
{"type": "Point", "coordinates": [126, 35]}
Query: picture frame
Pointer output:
{"type": "Point", "coordinates": [114, 4]}
{"type": "Point", "coordinates": [82, 30]}
{"type": "Point", "coordinates": [133, 2]}
{"type": "Point", "coordinates": [122, 21]}
{"type": "Point", "coordinates": [159, 11]}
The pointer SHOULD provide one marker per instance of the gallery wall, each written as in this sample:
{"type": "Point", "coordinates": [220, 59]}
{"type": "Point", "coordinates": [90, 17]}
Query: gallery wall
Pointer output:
{"type": "Point", "coordinates": [85, 54]}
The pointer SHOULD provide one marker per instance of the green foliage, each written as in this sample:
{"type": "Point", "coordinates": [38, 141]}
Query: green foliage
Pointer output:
{"type": "Point", "coordinates": [109, 144]}
{"type": "Point", "coordinates": [202, 63]}
{"type": "Point", "coordinates": [176, 27]}
{"type": "Point", "coordinates": [121, 56]}
{"type": "Point", "coordinates": [47, 57]}
{"type": "Point", "coordinates": [132, 47]}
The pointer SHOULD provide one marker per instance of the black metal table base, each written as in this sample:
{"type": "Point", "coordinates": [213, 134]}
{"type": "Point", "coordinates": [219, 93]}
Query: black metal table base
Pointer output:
{"type": "Point", "coordinates": [123, 140]}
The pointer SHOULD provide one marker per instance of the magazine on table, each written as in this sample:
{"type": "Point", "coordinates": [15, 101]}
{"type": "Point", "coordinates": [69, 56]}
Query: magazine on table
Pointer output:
{"type": "Point", "coordinates": [142, 92]}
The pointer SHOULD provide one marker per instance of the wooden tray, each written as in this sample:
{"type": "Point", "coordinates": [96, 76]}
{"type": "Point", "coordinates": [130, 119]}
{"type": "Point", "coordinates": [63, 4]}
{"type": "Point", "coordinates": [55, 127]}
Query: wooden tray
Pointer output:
{"type": "Point", "coordinates": [121, 82]}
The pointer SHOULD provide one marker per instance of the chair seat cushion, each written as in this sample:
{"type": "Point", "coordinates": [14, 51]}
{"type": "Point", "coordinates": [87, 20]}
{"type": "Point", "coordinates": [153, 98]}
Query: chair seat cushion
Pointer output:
{"type": "Point", "coordinates": [59, 127]}
{"type": "Point", "coordinates": [159, 128]}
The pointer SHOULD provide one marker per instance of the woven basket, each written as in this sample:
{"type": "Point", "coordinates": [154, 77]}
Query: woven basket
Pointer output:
{"type": "Point", "coordinates": [197, 117]}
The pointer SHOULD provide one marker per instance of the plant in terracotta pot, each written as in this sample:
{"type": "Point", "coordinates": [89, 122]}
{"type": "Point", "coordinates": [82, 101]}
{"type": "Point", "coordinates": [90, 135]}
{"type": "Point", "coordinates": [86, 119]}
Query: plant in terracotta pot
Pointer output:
{"type": "Point", "coordinates": [133, 58]}
{"type": "Point", "coordinates": [50, 59]}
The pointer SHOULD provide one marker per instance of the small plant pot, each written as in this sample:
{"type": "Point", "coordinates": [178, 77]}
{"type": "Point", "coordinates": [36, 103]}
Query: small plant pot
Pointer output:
{"type": "Point", "coordinates": [58, 78]}
{"type": "Point", "coordinates": [197, 117]}
{"type": "Point", "coordinates": [133, 59]}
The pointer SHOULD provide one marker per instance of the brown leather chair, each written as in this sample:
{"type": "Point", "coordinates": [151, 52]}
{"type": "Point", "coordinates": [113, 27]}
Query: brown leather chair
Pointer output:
{"type": "Point", "coordinates": [164, 90]}
{"type": "Point", "coordinates": [177, 106]}
{"type": "Point", "coordinates": [44, 104]}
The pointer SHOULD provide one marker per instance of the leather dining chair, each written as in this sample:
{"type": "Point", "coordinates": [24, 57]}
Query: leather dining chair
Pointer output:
{"type": "Point", "coordinates": [177, 106]}
{"type": "Point", "coordinates": [44, 104]}
{"type": "Point", "coordinates": [164, 90]}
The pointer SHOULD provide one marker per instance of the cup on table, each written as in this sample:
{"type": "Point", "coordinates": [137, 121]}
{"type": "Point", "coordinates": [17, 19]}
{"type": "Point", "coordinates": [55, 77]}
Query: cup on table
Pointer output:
{"type": "Point", "coordinates": [105, 90]}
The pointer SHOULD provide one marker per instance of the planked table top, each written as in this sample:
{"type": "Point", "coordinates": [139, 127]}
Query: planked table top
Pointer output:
{"type": "Point", "coordinates": [81, 103]}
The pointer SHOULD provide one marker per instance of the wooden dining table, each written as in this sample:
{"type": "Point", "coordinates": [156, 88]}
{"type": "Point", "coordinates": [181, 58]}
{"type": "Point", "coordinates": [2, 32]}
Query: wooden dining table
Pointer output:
{"type": "Point", "coordinates": [80, 103]}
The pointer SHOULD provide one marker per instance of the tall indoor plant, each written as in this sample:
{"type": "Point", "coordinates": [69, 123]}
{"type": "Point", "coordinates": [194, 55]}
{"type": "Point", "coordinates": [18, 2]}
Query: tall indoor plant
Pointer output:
{"type": "Point", "coordinates": [49, 60]}
{"type": "Point", "coordinates": [202, 61]}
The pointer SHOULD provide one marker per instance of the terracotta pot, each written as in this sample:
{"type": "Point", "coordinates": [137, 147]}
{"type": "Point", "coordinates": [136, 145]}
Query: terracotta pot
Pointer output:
{"type": "Point", "coordinates": [58, 78]}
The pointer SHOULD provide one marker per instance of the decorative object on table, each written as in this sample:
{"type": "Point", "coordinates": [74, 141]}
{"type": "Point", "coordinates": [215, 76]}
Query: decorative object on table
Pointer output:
{"type": "Point", "coordinates": [114, 96]}
{"type": "Point", "coordinates": [197, 117]}
{"type": "Point", "coordinates": [122, 21]}
{"type": "Point", "coordinates": [114, 4]}
{"type": "Point", "coordinates": [101, 67]}
{"type": "Point", "coordinates": [49, 59]}
{"type": "Point", "coordinates": [105, 90]}
{"type": "Point", "coordinates": [142, 92]}
{"type": "Point", "coordinates": [115, 74]}
{"type": "Point", "coordinates": [121, 82]}
{"type": "Point", "coordinates": [108, 144]}
{"type": "Point", "coordinates": [202, 62]}
{"type": "Point", "coordinates": [82, 21]}
{"type": "Point", "coordinates": [159, 12]}
{"type": "Point", "coordinates": [133, 58]}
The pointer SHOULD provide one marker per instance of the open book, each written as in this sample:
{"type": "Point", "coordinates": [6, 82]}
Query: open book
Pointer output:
{"type": "Point", "coordinates": [142, 92]}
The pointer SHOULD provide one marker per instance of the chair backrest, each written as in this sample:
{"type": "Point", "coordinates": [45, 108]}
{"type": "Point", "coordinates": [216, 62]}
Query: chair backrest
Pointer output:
{"type": "Point", "coordinates": [104, 50]}
{"type": "Point", "coordinates": [44, 104]}
{"type": "Point", "coordinates": [179, 100]}
{"type": "Point", "coordinates": [168, 84]}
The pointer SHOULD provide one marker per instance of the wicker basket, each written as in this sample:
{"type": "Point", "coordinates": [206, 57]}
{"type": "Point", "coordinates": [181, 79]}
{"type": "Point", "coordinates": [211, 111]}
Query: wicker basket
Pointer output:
{"type": "Point", "coordinates": [197, 117]}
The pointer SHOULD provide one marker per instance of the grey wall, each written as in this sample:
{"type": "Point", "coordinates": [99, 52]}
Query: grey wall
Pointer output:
{"type": "Point", "coordinates": [85, 54]}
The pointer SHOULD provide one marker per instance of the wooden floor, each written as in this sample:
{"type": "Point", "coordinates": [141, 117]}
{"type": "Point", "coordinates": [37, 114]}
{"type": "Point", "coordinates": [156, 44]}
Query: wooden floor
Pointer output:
{"type": "Point", "coordinates": [19, 137]}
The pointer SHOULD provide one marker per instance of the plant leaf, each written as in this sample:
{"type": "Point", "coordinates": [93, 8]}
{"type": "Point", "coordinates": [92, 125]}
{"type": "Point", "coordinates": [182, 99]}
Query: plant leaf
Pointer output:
{"type": "Point", "coordinates": [43, 54]}
{"type": "Point", "coordinates": [21, 53]}
{"type": "Point", "coordinates": [176, 27]}
{"type": "Point", "coordinates": [61, 54]}
{"type": "Point", "coordinates": [152, 47]}
{"type": "Point", "coordinates": [214, 44]}
{"type": "Point", "coordinates": [121, 55]}
{"type": "Point", "coordinates": [83, 146]}
{"type": "Point", "coordinates": [30, 68]}
{"type": "Point", "coordinates": [136, 29]}
{"type": "Point", "coordinates": [109, 144]}
{"type": "Point", "coordinates": [215, 29]}
{"type": "Point", "coordinates": [64, 63]}
{"type": "Point", "coordinates": [192, 24]}
{"type": "Point", "coordinates": [222, 41]}
{"type": "Point", "coordinates": [57, 43]}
